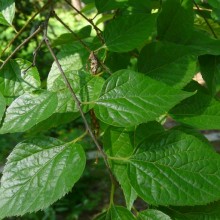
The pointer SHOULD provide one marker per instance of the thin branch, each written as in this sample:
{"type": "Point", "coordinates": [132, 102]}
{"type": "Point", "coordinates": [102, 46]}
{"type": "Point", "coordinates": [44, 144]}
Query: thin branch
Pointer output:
{"type": "Point", "coordinates": [74, 34]}
{"type": "Point", "coordinates": [84, 45]}
{"type": "Point", "coordinates": [98, 31]}
{"type": "Point", "coordinates": [76, 100]}
{"type": "Point", "coordinates": [21, 45]}
{"type": "Point", "coordinates": [23, 28]}
{"type": "Point", "coordinates": [34, 56]}
{"type": "Point", "coordinates": [206, 21]}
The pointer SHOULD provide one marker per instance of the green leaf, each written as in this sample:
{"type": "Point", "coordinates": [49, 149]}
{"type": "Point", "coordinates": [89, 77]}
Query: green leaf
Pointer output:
{"type": "Point", "coordinates": [168, 62]}
{"type": "Point", "coordinates": [109, 5]}
{"type": "Point", "coordinates": [200, 111]}
{"type": "Point", "coordinates": [28, 110]}
{"type": "Point", "coordinates": [2, 105]}
{"type": "Point", "coordinates": [68, 38]}
{"type": "Point", "coordinates": [121, 143]}
{"type": "Point", "coordinates": [87, 88]}
{"type": "Point", "coordinates": [210, 69]}
{"type": "Point", "coordinates": [175, 22]}
{"type": "Point", "coordinates": [7, 8]}
{"type": "Point", "coordinates": [208, 212]}
{"type": "Point", "coordinates": [175, 168]}
{"type": "Point", "coordinates": [129, 98]}
{"type": "Point", "coordinates": [152, 214]}
{"type": "Point", "coordinates": [14, 82]}
{"type": "Point", "coordinates": [3, 21]}
{"type": "Point", "coordinates": [39, 172]}
{"type": "Point", "coordinates": [129, 32]}
{"type": "Point", "coordinates": [201, 44]}
{"type": "Point", "coordinates": [119, 213]}
{"type": "Point", "coordinates": [54, 120]}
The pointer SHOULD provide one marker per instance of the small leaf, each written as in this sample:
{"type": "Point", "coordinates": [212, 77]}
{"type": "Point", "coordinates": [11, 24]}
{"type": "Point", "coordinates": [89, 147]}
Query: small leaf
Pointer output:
{"type": "Point", "coordinates": [28, 110]}
{"type": "Point", "coordinates": [152, 214]}
{"type": "Point", "coordinates": [178, 26]}
{"type": "Point", "coordinates": [130, 98]}
{"type": "Point", "coordinates": [175, 168]}
{"type": "Point", "coordinates": [3, 21]}
{"type": "Point", "coordinates": [119, 213]}
{"type": "Point", "coordinates": [68, 38]}
{"type": "Point", "coordinates": [14, 82]}
{"type": "Point", "coordinates": [200, 111]}
{"type": "Point", "coordinates": [170, 63]}
{"type": "Point", "coordinates": [129, 32]}
{"type": "Point", "coordinates": [39, 172]}
{"type": "Point", "coordinates": [7, 8]}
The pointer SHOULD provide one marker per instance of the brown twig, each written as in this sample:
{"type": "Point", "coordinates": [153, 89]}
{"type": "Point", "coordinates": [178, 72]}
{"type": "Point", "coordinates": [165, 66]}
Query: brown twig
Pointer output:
{"type": "Point", "coordinates": [21, 45]}
{"type": "Point", "coordinates": [98, 31]}
{"type": "Point", "coordinates": [206, 21]}
{"type": "Point", "coordinates": [84, 45]}
{"type": "Point", "coordinates": [23, 28]}
{"type": "Point", "coordinates": [69, 29]}
{"type": "Point", "coordinates": [78, 103]}
{"type": "Point", "coordinates": [34, 56]}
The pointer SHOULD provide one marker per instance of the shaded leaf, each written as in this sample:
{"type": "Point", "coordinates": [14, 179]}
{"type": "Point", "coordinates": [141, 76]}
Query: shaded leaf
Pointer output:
{"type": "Point", "coordinates": [129, 98]}
{"type": "Point", "coordinates": [200, 111]}
{"type": "Point", "coordinates": [175, 168]}
{"type": "Point", "coordinates": [108, 5]}
{"type": "Point", "coordinates": [129, 32]}
{"type": "Point", "coordinates": [28, 110]}
{"type": "Point", "coordinates": [14, 82]}
{"type": "Point", "coordinates": [39, 172]}
{"type": "Point", "coordinates": [175, 22]}
{"type": "Point", "coordinates": [2, 105]}
{"type": "Point", "coordinates": [171, 63]}
{"type": "Point", "coordinates": [206, 212]}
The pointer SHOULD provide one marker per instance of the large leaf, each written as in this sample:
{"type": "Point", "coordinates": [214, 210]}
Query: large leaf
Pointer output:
{"type": "Point", "coordinates": [130, 98]}
{"type": "Point", "coordinates": [175, 168]}
{"type": "Point", "coordinates": [129, 32]}
{"type": "Point", "coordinates": [152, 214]}
{"type": "Point", "coordinates": [39, 172]}
{"type": "Point", "coordinates": [168, 62]}
{"type": "Point", "coordinates": [121, 143]}
{"type": "Point", "coordinates": [208, 212]}
{"type": "Point", "coordinates": [7, 8]}
{"type": "Point", "coordinates": [14, 82]}
{"type": "Point", "coordinates": [28, 110]}
{"type": "Point", "coordinates": [175, 22]}
{"type": "Point", "coordinates": [200, 111]}
{"type": "Point", "coordinates": [87, 88]}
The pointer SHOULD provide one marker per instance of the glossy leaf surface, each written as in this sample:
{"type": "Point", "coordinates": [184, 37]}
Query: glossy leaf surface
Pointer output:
{"type": "Point", "coordinates": [152, 214]}
{"type": "Point", "coordinates": [38, 172]}
{"type": "Point", "coordinates": [175, 168]}
{"type": "Point", "coordinates": [7, 8]}
{"type": "Point", "coordinates": [28, 110]}
{"type": "Point", "coordinates": [130, 98]}
{"type": "Point", "coordinates": [128, 32]}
